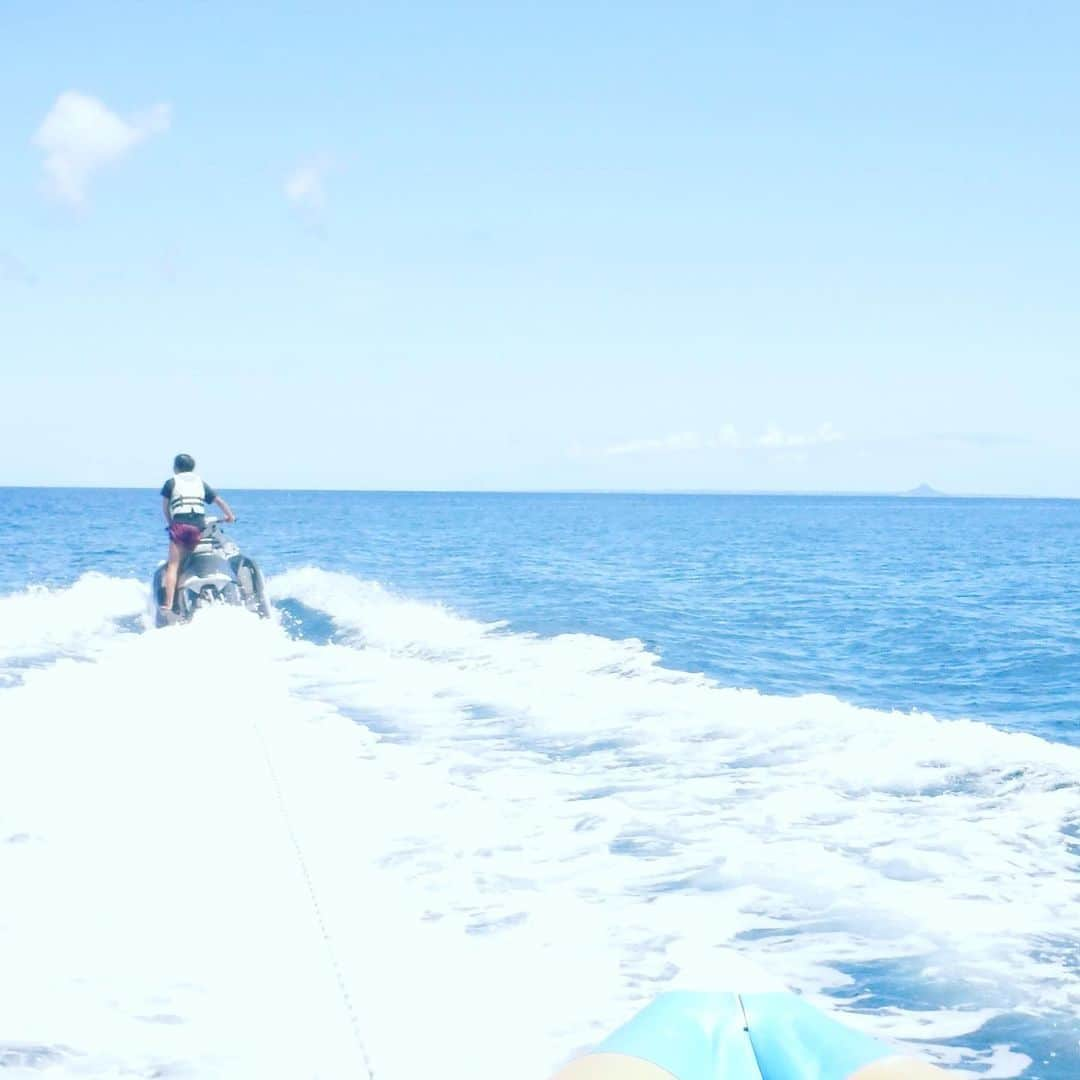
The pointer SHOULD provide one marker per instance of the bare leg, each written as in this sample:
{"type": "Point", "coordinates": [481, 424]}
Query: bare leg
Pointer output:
{"type": "Point", "coordinates": [171, 573]}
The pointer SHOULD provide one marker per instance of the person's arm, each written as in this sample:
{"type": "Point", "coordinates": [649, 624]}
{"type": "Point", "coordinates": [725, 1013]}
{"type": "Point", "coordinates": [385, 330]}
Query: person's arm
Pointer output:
{"type": "Point", "coordinates": [225, 508]}
{"type": "Point", "coordinates": [165, 510]}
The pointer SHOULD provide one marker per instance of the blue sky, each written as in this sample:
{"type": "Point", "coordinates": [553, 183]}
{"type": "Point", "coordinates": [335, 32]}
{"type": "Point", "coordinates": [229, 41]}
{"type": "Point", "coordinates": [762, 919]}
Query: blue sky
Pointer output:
{"type": "Point", "coordinates": [741, 246]}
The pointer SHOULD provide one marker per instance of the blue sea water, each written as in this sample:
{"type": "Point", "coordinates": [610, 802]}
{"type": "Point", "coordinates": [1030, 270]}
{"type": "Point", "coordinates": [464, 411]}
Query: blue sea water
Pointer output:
{"type": "Point", "coordinates": [893, 799]}
{"type": "Point", "coordinates": [960, 607]}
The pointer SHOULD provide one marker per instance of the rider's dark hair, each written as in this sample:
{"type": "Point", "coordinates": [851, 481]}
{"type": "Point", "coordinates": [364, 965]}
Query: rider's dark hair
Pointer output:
{"type": "Point", "coordinates": [183, 463]}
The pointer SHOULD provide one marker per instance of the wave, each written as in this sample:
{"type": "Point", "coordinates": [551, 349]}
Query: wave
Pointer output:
{"type": "Point", "coordinates": [40, 625]}
{"type": "Point", "coordinates": [516, 837]}
{"type": "Point", "coordinates": [40, 621]}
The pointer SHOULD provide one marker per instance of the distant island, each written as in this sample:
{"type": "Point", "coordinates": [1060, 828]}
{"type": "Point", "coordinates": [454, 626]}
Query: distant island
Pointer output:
{"type": "Point", "coordinates": [923, 491]}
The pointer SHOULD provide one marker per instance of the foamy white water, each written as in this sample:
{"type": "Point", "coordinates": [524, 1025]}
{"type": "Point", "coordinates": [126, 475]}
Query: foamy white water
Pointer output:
{"type": "Point", "coordinates": [43, 622]}
{"type": "Point", "coordinates": [311, 853]}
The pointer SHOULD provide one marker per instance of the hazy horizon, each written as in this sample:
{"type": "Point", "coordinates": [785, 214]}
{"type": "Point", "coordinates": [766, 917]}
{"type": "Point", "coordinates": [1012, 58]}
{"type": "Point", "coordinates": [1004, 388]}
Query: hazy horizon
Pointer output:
{"type": "Point", "coordinates": [910, 493]}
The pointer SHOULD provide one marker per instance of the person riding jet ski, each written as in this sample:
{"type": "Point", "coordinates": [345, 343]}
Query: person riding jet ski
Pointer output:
{"type": "Point", "coordinates": [184, 498]}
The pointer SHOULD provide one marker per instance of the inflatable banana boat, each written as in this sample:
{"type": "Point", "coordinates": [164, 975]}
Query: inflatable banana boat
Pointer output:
{"type": "Point", "coordinates": [687, 1035]}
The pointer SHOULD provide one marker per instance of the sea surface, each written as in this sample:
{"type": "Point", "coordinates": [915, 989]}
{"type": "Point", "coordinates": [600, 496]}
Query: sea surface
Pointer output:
{"type": "Point", "coordinates": [837, 736]}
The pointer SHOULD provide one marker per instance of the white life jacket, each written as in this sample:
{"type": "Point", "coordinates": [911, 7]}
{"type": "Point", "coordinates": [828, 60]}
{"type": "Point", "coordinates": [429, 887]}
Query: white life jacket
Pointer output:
{"type": "Point", "coordinates": [188, 495]}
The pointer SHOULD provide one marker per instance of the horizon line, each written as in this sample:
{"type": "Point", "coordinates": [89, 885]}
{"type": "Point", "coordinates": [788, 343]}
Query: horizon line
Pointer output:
{"type": "Point", "coordinates": [912, 493]}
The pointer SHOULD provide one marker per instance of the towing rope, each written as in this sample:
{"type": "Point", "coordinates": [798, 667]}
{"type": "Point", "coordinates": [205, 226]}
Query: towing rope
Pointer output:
{"type": "Point", "coordinates": [354, 1020]}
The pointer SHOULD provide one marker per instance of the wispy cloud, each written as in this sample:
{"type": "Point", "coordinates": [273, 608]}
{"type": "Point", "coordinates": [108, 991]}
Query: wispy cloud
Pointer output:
{"type": "Point", "coordinates": [15, 270]}
{"type": "Point", "coordinates": [304, 185]}
{"type": "Point", "coordinates": [682, 440]}
{"type": "Point", "coordinates": [725, 438]}
{"type": "Point", "coordinates": [776, 439]}
{"type": "Point", "coordinates": [80, 136]}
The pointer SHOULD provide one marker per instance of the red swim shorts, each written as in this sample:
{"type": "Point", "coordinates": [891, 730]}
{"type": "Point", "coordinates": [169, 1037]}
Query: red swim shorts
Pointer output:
{"type": "Point", "coordinates": [184, 536]}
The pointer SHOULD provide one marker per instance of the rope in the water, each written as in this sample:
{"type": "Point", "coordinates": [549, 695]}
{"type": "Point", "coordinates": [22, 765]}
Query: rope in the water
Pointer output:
{"type": "Point", "coordinates": [345, 997]}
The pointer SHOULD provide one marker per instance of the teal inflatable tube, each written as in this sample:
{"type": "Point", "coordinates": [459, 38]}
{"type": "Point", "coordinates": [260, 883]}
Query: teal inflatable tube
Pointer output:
{"type": "Point", "coordinates": [770, 1036]}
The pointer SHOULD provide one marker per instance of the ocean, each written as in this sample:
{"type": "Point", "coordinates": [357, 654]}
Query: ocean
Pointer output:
{"type": "Point", "coordinates": [539, 757]}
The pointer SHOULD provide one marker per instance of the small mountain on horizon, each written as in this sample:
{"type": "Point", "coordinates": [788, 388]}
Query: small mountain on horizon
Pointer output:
{"type": "Point", "coordinates": [923, 491]}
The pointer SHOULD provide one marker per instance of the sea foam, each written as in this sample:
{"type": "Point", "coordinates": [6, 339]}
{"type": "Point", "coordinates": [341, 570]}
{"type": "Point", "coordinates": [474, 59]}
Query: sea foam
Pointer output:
{"type": "Point", "coordinates": [229, 851]}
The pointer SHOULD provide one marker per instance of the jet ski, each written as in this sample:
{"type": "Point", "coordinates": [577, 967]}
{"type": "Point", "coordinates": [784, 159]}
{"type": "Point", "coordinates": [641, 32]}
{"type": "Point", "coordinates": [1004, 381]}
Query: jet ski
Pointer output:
{"type": "Point", "coordinates": [215, 572]}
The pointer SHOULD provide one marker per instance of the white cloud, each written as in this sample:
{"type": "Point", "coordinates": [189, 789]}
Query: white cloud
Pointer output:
{"type": "Point", "coordinates": [80, 135]}
{"type": "Point", "coordinates": [775, 439]}
{"type": "Point", "coordinates": [726, 436]}
{"type": "Point", "coordinates": [304, 185]}
{"type": "Point", "coordinates": [682, 440]}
